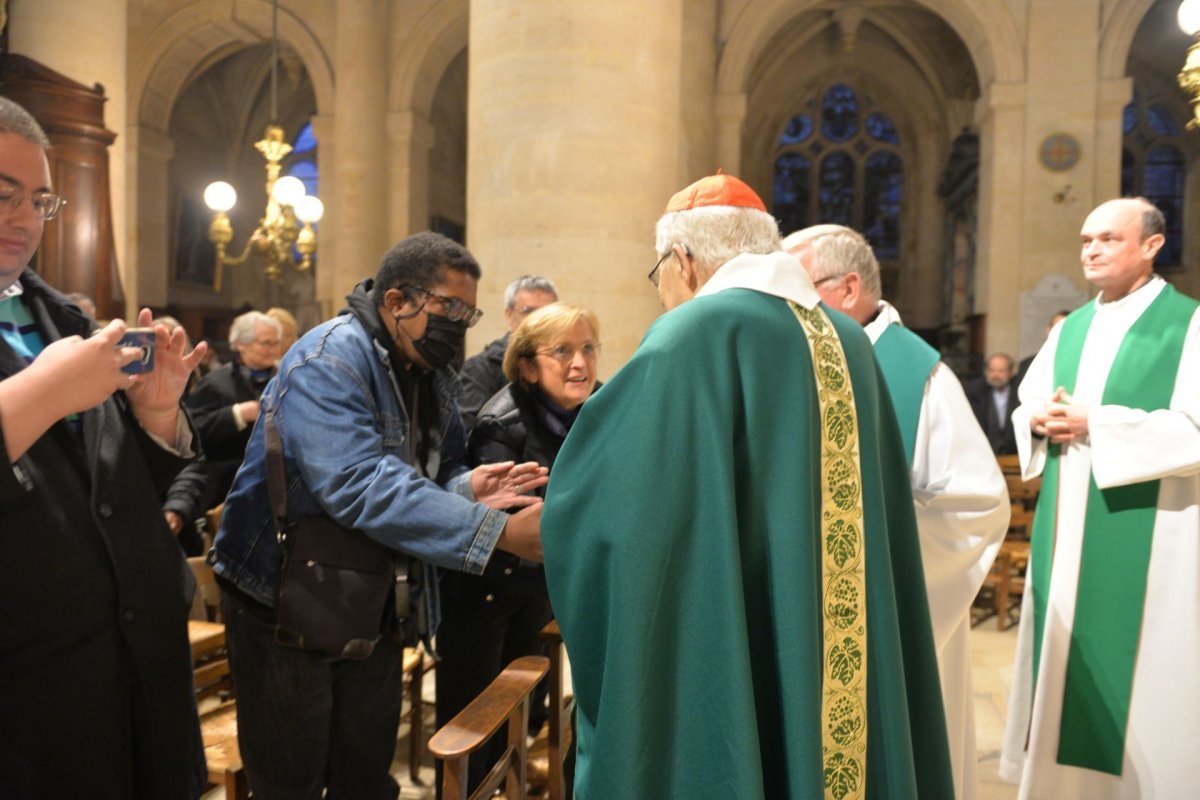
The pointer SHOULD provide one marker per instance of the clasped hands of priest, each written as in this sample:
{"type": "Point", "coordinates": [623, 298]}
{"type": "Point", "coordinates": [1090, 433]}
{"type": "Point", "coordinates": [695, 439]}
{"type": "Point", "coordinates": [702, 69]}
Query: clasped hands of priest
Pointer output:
{"type": "Point", "coordinates": [1062, 419]}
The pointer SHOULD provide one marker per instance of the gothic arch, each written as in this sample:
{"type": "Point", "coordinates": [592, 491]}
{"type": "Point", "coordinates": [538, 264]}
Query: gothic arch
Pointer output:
{"type": "Point", "coordinates": [1116, 38]}
{"type": "Point", "coordinates": [436, 39]}
{"type": "Point", "coordinates": [986, 29]}
{"type": "Point", "coordinates": [202, 33]}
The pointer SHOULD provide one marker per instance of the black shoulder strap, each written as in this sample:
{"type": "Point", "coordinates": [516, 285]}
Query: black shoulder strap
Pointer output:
{"type": "Point", "coordinates": [276, 476]}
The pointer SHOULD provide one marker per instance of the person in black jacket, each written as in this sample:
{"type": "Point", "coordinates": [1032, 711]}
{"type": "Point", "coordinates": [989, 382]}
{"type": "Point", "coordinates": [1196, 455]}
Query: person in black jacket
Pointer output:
{"type": "Point", "coordinates": [993, 398]}
{"type": "Point", "coordinates": [483, 374]}
{"type": "Point", "coordinates": [490, 619]}
{"type": "Point", "coordinates": [224, 403]}
{"type": "Point", "coordinates": [97, 697]}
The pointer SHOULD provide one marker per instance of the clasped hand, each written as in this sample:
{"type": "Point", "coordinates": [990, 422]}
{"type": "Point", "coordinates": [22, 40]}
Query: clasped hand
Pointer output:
{"type": "Point", "coordinates": [506, 485]}
{"type": "Point", "coordinates": [1062, 419]}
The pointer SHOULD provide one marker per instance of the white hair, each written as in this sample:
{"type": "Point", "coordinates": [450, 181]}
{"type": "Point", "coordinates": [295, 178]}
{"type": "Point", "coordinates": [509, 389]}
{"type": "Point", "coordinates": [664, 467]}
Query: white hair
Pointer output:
{"type": "Point", "coordinates": [242, 329]}
{"type": "Point", "coordinates": [713, 235]}
{"type": "Point", "coordinates": [837, 251]}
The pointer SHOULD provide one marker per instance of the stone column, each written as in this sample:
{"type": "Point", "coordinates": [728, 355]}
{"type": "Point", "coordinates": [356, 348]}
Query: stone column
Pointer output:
{"type": "Point", "coordinates": [148, 230]}
{"type": "Point", "coordinates": [574, 130]}
{"type": "Point", "coordinates": [359, 199]}
{"type": "Point", "coordinates": [1000, 116]}
{"type": "Point", "coordinates": [89, 48]}
{"type": "Point", "coordinates": [327, 229]}
{"type": "Point", "coordinates": [1112, 96]}
{"type": "Point", "coordinates": [731, 113]}
{"type": "Point", "coordinates": [410, 137]}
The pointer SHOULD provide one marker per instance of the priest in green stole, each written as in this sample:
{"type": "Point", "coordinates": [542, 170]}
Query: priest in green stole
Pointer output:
{"type": "Point", "coordinates": [1106, 698]}
{"type": "Point", "coordinates": [732, 559]}
{"type": "Point", "coordinates": [959, 494]}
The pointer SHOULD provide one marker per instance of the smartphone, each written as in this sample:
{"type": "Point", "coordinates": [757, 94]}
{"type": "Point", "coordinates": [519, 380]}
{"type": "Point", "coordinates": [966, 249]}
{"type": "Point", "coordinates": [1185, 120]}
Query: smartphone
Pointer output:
{"type": "Point", "coordinates": [142, 338]}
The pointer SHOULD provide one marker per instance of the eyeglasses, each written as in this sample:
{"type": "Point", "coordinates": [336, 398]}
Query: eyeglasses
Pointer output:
{"type": "Point", "coordinates": [565, 353]}
{"type": "Point", "coordinates": [827, 279]}
{"type": "Point", "coordinates": [46, 205]}
{"type": "Point", "coordinates": [271, 343]}
{"type": "Point", "coordinates": [653, 276]}
{"type": "Point", "coordinates": [456, 310]}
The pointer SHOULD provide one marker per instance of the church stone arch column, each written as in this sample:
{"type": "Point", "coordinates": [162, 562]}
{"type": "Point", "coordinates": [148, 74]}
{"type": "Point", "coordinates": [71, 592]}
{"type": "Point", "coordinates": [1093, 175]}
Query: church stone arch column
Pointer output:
{"type": "Point", "coordinates": [731, 113]}
{"type": "Point", "coordinates": [149, 236]}
{"type": "Point", "coordinates": [358, 172]}
{"type": "Point", "coordinates": [89, 48]}
{"type": "Point", "coordinates": [1000, 117]}
{"type": "Point", "coordinates": [574, 123]}
{"type": "Point", "coordinates": [1112, 95]}
{"type": "Point", "coordinates": [410, 138]}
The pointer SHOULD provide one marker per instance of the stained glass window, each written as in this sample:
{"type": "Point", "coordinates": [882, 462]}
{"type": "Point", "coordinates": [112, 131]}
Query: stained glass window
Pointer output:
{"type": "Point", "coordinates": [1153, 165]}
{"type": "Point", "coordinates": [798, 129]}
{"type": "Point", "coordinates": [839, 113]}
{"type": "Point", "coordinates": [305, 142]}
{"type": "Point", "coordinates": [792, 176]}
{"type": "Point", "coordinates": [846, 170]}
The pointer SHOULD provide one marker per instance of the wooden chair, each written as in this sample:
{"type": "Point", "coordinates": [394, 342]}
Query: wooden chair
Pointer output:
{"type": "Point", "coordinates": [206, 603]}
{"type": "Point", "coordinates": [218, 729]}
{"type": "Point", "coordinates": [506, 699]}
{"type": "Point", "coordinates": [414, 668]}
{"type": "Point", "coordinates": [1003, 587]}
{"type": "Point", "coordinates": [547, 755]}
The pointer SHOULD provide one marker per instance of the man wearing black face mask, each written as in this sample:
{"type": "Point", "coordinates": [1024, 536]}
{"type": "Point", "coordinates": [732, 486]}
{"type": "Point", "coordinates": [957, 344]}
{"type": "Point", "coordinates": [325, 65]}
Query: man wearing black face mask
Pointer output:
{"type": "Point", "coordinates": [365, 407]}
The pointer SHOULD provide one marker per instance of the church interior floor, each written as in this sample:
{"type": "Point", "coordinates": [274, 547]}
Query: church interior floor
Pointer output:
{"type": "Point", "coordinates": [992, 656]}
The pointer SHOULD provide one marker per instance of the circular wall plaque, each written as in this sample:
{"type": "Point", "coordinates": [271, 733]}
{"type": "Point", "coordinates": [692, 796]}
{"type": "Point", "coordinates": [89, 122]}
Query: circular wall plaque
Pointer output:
{"type": "Point", "coordinates": [1059, 152]}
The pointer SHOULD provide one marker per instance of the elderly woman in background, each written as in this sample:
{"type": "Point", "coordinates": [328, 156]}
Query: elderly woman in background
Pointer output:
{"type": "Point", "coordinates": [490, 619]}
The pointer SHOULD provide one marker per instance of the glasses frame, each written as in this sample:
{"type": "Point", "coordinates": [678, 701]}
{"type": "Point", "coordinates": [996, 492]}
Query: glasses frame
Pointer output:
{"type": "Point", "coordinates": [548, 352]}
{"type": "Point", "coordinates": [829, 278]}
{"type": "Point", "coordinates": [10, 204]}
{"type": "Point", "coordinates": [653, 275]}
{"type": "Point", "coordinates": [456, 310]}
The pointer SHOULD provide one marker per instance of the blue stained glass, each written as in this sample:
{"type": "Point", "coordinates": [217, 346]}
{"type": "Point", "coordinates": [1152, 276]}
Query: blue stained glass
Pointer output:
{"type": "Point", "coordinates": [306, 170]}
{"type": "Point", "coordinates": [1128, 174]}
{"type": "Point", "coordinates": [798, 129]}
{"type": "Point", "coordinates": [791, 201]}
{"type": "Point", "coordinates": [883, 191]}
{"type": "Point", "coordinates": [305, 141]}
{"type": "Point", "coordinates": [835, 190]}
{"type": "Point", "coordinates": [882, 129]}
{"type": "Point", "coordinates": [1161, 121]}
{"type": "Point", "coordinates": [839, 113]}
{"type": "Point", "coordinates": [1164, 178]}
{"type": "Point", "coordinates": [1129, 118]}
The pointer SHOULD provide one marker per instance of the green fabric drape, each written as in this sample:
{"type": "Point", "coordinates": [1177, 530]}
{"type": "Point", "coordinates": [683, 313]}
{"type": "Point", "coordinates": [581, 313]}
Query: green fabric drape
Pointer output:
{"type": "Point", "coordinates": [906, 360]}
{"type": "Point", "coordinates": [683, 556]}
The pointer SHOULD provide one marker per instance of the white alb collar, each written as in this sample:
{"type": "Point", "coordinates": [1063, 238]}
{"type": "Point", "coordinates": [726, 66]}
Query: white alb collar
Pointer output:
{"type": "Point", "coordinates": [778, 274]}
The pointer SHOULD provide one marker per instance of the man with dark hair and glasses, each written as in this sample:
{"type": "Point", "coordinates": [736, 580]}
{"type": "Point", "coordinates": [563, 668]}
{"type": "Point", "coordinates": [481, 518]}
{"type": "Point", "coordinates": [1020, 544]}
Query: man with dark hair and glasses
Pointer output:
{"type": "Point", "coordinates": [365, 407]}
{"type": "Point", "coordinates": [483, 374]}
{"type": "Point", "coordinates": [94, 659]}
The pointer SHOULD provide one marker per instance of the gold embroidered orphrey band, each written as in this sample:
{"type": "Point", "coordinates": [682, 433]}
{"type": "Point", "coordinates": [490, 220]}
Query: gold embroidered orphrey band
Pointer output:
{"type": "Point", "coordinates": [843, 567]}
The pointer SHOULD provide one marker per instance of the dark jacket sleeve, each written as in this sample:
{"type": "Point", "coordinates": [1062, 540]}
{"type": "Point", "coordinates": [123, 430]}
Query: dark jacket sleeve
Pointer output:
{"type": "Point", "coordinates": [496, 439]}
{"type": "Point", "coordinates": [210, 407]}
{"type": "Point", "coordinates": [186, 492]}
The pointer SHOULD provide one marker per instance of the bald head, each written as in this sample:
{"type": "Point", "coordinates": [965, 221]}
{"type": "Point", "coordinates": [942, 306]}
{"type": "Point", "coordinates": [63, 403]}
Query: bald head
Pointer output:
{"type": "Point", "coordinates": [1119, 241]}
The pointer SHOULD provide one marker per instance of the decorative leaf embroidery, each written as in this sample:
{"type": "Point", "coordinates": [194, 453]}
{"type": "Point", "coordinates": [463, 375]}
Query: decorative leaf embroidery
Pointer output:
{"type": "Point", "coordinates": [843, 603]}
{"type": "Point", "coordinates": [843, 775]}
{"type": "Point", "coordinates": [845, 660]}
{"type": "Point", "coordinates": [842, 542]}
{"type": "Point", "coordinates": [839, 423]}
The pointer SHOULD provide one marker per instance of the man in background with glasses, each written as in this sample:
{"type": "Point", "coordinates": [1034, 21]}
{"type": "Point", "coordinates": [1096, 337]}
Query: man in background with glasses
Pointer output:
{"type": "Point", "coordinates": [483, 374]}
{"type": "Point", "coordinates": [724, 542]}
{"type": "Point", "coordinates": [94, 657]}
{"type": "Point", "coordinates": [224, 403]}
{"type": "Point", "coordinates": [364, 406]}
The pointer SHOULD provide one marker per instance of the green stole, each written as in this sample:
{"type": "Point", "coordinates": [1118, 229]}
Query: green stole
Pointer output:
{"type": "Point", "coordinates": [1118, 529]}
{"type": "Point", "coordinates": [907, 361]}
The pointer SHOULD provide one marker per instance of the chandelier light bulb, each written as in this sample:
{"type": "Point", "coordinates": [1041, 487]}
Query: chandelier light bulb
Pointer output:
{"type": "Point", "coordinates": [220, 196]}
{"type": "Point", "coordinates": [1189, 17]}
{"type": "Point", "coordinates": [310, 209]}
{"type": "Point", "coordinates": [288, 191]}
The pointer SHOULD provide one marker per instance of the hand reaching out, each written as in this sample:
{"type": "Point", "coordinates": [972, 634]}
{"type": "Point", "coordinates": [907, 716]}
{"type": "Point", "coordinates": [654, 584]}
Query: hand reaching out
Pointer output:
{"type": "Point", "coordinates": [507, 484]}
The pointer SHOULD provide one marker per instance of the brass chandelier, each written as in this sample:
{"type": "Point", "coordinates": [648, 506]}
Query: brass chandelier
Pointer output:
{"type": "Point", "coordinates": [1189, 78]}
{"type": "Point", "coordinates": [287, 223]}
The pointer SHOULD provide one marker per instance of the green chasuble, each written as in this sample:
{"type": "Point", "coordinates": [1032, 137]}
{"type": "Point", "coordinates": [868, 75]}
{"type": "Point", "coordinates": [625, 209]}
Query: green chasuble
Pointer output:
{"type": "Point", "coordinates": [683, 547]}
{"type": "Point", "coordinates": [906, 360]}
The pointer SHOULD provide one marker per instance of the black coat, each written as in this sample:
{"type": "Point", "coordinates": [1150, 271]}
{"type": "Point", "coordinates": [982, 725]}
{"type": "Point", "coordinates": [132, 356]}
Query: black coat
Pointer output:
{"type": "Point", "coordinates": [224, 445]}
{"type": "Point", "coordinates": [999, 431]}
{"type": "Point", "coordinates": [97, 698]}
{"type": "Point", "coordinates": [482, 376]}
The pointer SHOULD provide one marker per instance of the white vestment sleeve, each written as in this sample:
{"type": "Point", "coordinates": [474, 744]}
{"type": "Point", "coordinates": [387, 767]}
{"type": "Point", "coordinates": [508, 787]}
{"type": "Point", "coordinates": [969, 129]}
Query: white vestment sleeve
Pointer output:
{"type": "Point", "coordinates": [961, 501]}
{"type": "Point", "coordinates": [1131, 446]}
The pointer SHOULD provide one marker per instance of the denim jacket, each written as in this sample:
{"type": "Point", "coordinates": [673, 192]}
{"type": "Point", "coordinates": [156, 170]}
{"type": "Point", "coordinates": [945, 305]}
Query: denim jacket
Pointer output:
{"type": "Point", "coordinates": [346, 453]}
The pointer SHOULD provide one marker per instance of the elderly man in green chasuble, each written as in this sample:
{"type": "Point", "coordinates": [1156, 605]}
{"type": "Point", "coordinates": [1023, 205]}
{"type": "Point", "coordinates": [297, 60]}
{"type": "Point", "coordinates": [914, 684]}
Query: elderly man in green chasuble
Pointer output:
{"type": "Point", "coordinates": [1106, 697]}
{"type": "Point", "coordinates": [730, 544]}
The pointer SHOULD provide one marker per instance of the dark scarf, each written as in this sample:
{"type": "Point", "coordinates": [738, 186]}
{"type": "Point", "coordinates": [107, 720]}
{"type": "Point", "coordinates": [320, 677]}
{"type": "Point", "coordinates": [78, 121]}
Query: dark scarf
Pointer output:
{"type": "Point", "coordinates": [416, 384]}
{"type": "Point", "coordinates": [557, 419]}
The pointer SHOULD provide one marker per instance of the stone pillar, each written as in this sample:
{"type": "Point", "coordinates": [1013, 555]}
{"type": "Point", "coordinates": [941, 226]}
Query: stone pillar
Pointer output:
{"type": "Point", "coordinates": [1000, 116]}
{"type": "Point", "coordinates": [89, 48]}
{"type": "Point", "coordinates": [148, 230]}
{"type": "Point", "coordinates": [574, 130]}
{"type": "Point", "coordinates": [1112, 96]}
{"type": "Point", "coordinates": [327, 229]}
{"type": "Point", "coordinates": [359, 199]}
{"type": "Point", "coordinates": [410, 138]}
{"type": "Point", "coordinates": [731, 113]}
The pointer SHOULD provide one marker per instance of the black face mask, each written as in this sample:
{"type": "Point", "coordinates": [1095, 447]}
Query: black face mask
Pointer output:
{"type": "Point", "coordinates": [442, 340]}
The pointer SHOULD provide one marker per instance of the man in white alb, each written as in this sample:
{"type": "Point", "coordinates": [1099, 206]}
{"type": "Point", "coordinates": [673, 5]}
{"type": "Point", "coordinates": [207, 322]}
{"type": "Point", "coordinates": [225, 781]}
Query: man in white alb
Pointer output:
{"type": "Point", "coordinates": [958, 490]}
{"type": "Point", "coordinates": [1106, 698]}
